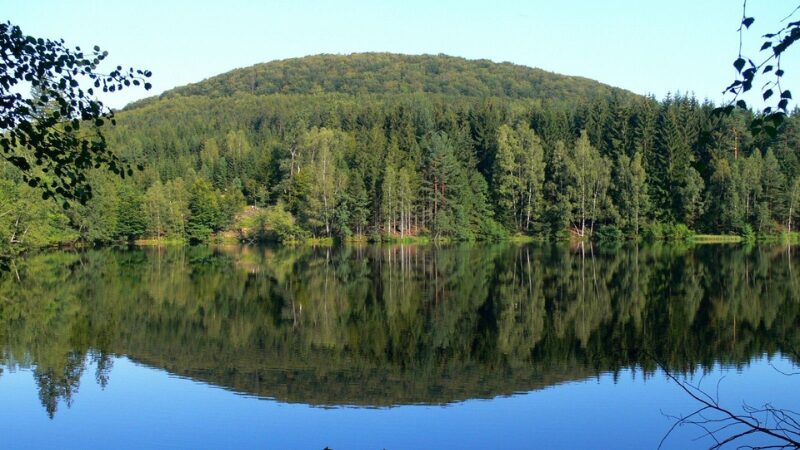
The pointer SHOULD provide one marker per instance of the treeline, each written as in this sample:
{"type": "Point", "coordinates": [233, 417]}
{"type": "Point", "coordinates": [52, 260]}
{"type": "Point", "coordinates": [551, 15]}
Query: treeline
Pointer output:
{"type": "Point", "coordinates": [404, 165]}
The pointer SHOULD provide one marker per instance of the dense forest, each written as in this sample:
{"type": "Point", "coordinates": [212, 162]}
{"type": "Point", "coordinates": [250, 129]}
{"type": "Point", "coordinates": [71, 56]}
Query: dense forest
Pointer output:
{"type": "Point", "coordinates": [395, 324]}
{"type": "Point", "coordinates": [387, 146]}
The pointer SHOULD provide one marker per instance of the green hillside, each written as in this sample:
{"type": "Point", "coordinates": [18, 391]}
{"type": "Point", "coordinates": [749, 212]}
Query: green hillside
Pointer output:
{"type": "Point", "coordinates": [386, 73]}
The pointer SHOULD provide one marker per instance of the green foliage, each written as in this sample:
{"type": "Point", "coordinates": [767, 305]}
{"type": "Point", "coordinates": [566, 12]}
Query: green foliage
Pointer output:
{"type": "Point", "coordinates": [669, 232]}
{"type": "Point", "coordinates": [630, 192]}
{"type": "Point", "coordinates": [518, 178]}
{"type": "Point", "coordinates": [747, 233]}
{"type": "Point", "coordinates": [131, 223]}
{"type": "Point", "coordinates": [409, 158]}
{"type": "Point", "coordinates": [166, 209]}
{"type": "Point", "coordinates": [272, 224]}
{"type": "Point", "coordinates": [205, 212]}
{"type": "Point", "coordinates": [28, 223]}
{"type": "Point", "coordinates": [282, 225]}
{"type": "Point", "coordinates": [380, 73]}
{"type": "Point", "coordinates": [589, 176]}
{"type": "Point", "coordinates": [653, 232]}
{"type": "Point", "coordinates": [677, 232]}
{"type": "Point", "coordinates": [610, 233]}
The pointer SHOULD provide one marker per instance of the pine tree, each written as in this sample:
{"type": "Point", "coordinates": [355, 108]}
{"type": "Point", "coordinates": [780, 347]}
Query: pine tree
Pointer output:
{"type": "Point", "coordinates": [724, 198]}
{"type": "Point", "coordinates": [774, 188]}
{"type": "Point", "coordinates": [445, 184]}
{"type": "Point", "coordinates": [205, 215]}
{"type": "Point", "coordinates": [557, 189]}
{"type": "Point", "coordinates": [630, 192]}
{"type": "Point", "coordinates": [359, 204]}
{"type": "Point", "coordinates": [131, 222]}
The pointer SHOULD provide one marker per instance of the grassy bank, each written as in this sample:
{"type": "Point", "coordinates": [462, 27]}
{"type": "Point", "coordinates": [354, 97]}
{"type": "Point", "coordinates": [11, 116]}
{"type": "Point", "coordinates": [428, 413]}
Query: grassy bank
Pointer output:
{"type": "Point", "coordinates": [159, 242]}
{"type": "Point", "coordinates": [715, 239]}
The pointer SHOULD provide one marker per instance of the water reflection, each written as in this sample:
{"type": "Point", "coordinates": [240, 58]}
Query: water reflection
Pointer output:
{"type": "Point", "coordinates": [381, 326]}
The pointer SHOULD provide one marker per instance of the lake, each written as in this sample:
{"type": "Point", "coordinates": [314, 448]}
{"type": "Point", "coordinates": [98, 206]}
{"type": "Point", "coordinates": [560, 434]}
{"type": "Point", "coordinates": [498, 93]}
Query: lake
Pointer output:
{"type": "Point", "coordinates": [395, 347]}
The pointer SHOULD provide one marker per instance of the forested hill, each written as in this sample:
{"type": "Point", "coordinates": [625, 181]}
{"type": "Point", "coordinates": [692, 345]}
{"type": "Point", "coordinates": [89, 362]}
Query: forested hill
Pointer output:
{"type": "Point", "coordinates": [397, 147]}
{"type": "Point", "coordinates": [387, 73]}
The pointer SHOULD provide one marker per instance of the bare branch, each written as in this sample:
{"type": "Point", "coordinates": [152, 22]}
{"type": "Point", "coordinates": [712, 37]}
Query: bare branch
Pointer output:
{"type": "Point", "coordinates": [778, 425]}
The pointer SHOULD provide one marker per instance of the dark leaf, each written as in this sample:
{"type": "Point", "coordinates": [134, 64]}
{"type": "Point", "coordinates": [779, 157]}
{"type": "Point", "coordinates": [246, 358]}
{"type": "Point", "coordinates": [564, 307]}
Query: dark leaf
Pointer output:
{"type": "Point", "coordinates": [739, 64]}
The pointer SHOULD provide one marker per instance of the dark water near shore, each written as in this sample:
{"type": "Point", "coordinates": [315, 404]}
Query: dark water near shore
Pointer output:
{"type": "Point", "coordinates": [473, 346]}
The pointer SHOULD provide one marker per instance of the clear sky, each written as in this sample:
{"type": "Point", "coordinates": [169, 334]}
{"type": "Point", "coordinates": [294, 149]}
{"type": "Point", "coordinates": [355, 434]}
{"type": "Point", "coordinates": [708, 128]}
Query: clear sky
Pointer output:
{"type": "Point", "coordinates": [644, 46]}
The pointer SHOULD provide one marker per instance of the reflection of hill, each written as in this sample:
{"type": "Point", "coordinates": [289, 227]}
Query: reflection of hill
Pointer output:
{"type": "Point", "coordinates": [374, 387]}
{"type": "Point", "coordinates": [387, 326]}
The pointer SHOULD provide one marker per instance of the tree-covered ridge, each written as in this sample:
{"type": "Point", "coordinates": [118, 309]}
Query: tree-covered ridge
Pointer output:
{"type": "Point", "coordinates": [395, 324]}
{"type": "Point", "coordinates": [387, 73]}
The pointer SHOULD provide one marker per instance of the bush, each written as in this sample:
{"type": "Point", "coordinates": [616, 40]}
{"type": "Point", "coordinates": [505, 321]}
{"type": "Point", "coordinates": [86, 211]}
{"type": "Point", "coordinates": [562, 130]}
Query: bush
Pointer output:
{"type": "Point", "coordinates": [653, 232]}
{"type": "Point", "coordinates": [491, 230]}
{"type": "Point", "coordinates": [608, 233]}
{"type": "Point", "coordinates": [197, 232]}
{"type": "Point", "coordinates": [274, 224]}
{"type": "Point", "coordinates": [668, 232]}
{"type": "Point", "coordinates": [678, 232]}
{"type": "Point", "coordinates": [747, 233]}
{"type": "Point", "coordinates": [280, 225]}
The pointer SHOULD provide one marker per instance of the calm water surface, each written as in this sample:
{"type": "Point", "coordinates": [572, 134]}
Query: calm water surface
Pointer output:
{"type": "Point", "coordinates": [390, 347]}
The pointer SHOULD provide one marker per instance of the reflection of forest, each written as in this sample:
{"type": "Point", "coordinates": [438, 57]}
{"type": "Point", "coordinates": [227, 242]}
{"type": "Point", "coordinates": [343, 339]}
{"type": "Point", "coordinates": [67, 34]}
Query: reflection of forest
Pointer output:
{"type": "Point", "coordinates": [393, 325]}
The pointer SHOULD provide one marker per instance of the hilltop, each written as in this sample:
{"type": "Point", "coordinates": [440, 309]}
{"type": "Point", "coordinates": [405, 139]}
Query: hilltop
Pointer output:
{"type": "Point", "coordinates": [388, 73]}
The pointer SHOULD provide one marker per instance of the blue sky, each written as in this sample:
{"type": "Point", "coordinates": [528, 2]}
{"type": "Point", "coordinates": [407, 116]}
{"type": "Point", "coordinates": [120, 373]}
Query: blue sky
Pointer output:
{"type": "Point", "coordinates": [643, 46]}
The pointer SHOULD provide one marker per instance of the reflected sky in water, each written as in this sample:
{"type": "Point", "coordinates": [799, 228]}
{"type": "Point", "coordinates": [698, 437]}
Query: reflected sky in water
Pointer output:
{"type": "Point", "coordinates": [144, 407]}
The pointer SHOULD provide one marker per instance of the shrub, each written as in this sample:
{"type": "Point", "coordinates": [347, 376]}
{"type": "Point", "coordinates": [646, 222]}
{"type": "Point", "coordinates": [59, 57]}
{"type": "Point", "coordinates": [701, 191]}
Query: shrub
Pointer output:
{"type": "Point", "coordinates": [653, 232]}
{"type": "Point", "coordinates": [747, 233]}
{"type": "Point", "coordinates": [280, 225]}
{"type": "Point", "coordinates": [608, 233]}
{"type": "Point", "coordinates": [678, 232]}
